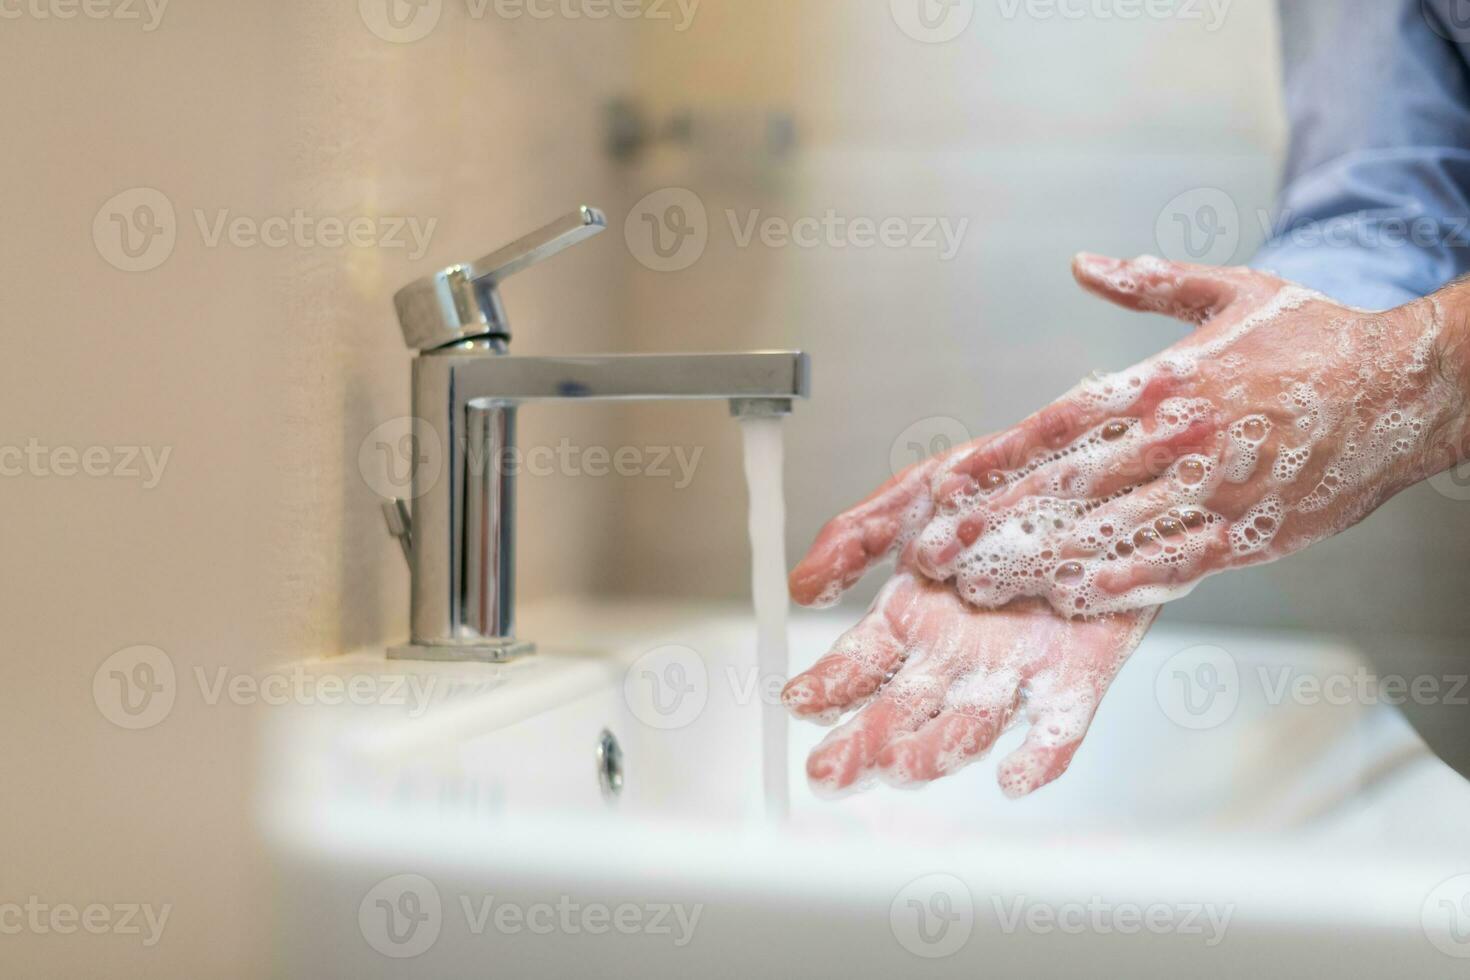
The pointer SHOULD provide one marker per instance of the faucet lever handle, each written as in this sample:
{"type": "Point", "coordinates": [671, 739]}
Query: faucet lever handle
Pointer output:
{"type": "Point", "coordinates": [463, 301]}
{"type": "Point", "coordinates": [543, 243]}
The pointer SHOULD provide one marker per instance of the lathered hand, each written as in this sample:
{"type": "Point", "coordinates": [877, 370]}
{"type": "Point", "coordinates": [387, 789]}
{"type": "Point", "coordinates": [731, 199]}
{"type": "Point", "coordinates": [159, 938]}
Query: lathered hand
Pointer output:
{"type": "Point", "coordinates": [1284, 419]}
{"type": "Point", "coordinates": [935, 680]}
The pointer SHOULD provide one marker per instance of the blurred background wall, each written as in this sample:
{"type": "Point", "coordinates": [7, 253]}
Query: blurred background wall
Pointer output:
{"type": "Point", "coordinates": [264, 371]}
{"type": "Point", "coordinates": [261, 371]}
{"type": "Point", "coordinates": [1048, 134]}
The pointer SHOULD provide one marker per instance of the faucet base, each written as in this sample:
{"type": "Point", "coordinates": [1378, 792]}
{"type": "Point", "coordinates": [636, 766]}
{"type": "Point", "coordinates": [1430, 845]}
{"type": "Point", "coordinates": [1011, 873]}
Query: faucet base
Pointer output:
{"type": "Point", "coordinates": [488, 653]}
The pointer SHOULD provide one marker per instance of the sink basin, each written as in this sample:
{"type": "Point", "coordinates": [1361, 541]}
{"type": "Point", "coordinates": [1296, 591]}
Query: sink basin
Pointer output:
{"type": "Point", "coordinates": [1245, 829]}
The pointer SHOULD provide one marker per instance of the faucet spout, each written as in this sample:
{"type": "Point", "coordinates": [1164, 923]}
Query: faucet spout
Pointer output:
{"type": "Point", "coordinates": [466, 400]}
{"type": "Point", "coordinates": [634, 377]}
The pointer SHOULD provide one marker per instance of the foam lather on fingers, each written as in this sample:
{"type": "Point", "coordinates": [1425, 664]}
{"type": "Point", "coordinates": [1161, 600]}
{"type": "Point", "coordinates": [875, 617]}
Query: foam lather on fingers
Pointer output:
{"type": "Point", "coordinates": [1297, 415]}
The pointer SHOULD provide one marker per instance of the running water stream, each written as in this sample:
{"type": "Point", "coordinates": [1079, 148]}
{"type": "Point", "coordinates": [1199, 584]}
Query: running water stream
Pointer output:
{"type": "Point", "coordinates": [768, 587]}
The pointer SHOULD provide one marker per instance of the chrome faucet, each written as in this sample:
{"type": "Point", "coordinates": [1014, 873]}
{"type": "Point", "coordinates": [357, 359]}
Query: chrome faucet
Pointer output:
{"type": "Point", "coordinates": [459, 535]}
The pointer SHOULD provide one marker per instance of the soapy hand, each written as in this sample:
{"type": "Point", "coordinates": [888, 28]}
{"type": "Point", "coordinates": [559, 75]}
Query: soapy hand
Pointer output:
{"type": "Point", "coordinates": [1284, 419]}
{"type": "Point", "coordinates": [938, 680]}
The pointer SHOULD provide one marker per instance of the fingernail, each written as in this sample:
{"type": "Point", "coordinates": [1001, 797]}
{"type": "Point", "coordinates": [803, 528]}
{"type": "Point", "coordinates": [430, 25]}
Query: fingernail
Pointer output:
{"type": "Point", "coordinates": [798, 693]}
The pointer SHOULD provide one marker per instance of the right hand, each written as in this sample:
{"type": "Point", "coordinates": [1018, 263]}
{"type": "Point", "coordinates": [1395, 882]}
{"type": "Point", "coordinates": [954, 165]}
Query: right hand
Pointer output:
{"type": "Point", "coordinates": [934, 680]}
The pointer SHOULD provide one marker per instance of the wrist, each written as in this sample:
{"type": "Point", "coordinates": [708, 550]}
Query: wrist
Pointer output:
{"type": "Point", "coordinates": [1450, 308]}
{"type": "Point", "coordinates": [1446, 314]}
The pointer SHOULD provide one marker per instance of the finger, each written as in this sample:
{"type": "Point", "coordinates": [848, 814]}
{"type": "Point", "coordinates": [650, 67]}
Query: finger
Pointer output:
{"type": "Point", "coordinates": [858, 665]}
{"type": "Point", "coordinates": [1056, 733]}
{"type": "Point", "coordinates": [1192, 293]}
{"type": "Point", "coordinates": [1119, 456]}
{"type": "Point", "coordinates": [1090, 412]}
{"type": "Point", "coordinates": [1166, 565]}
{"type": "Point", "coordinates": [1062, 701]}
{"type": "Point", "coordinates": [990, 466]}
{"type": "Point", "coordinates": [959, 736]}
{"type": "Point", "coordinates": [846, 758]}
{"type": "Point", "coordinates": [1094, 476]}
{"type": "Point", "coordinates": [945, 641]}
{"type": "Point", "coordinates": [858, 539]}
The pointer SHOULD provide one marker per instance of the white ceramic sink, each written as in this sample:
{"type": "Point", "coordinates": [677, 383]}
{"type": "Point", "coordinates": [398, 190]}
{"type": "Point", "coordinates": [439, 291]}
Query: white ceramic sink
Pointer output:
{"type": "Point", "coordinates": [1315, 833]}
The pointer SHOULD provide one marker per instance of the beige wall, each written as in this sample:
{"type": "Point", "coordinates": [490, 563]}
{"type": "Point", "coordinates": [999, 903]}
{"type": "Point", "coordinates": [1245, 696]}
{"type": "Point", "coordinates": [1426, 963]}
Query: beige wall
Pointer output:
{"type": "Point", "coordinates": [261, 371]}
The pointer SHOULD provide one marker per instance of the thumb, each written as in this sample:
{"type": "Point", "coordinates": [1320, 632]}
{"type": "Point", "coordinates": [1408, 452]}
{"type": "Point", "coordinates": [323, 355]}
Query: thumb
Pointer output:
{"type": "Point", "coordinates": [1192, 293]}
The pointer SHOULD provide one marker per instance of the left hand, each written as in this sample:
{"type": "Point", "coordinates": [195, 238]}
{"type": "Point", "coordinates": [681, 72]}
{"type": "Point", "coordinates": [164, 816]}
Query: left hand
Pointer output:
{"type": "Point", "coordinates": [1284, 419]}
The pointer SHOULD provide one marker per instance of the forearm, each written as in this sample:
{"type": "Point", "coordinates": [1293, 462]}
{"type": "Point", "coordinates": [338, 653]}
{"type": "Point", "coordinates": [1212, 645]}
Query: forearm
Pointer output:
{"type": "Point", "coordinates": [1373, 205]}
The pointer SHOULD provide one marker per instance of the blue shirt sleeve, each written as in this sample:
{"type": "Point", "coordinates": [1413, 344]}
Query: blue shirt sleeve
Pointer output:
{"type": "Point", "coordinates": [1374, 210]}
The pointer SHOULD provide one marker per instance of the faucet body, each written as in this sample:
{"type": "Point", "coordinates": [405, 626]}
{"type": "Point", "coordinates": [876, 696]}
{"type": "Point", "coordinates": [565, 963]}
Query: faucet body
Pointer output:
{"type": "Point", "coordinates": [460, 536]}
